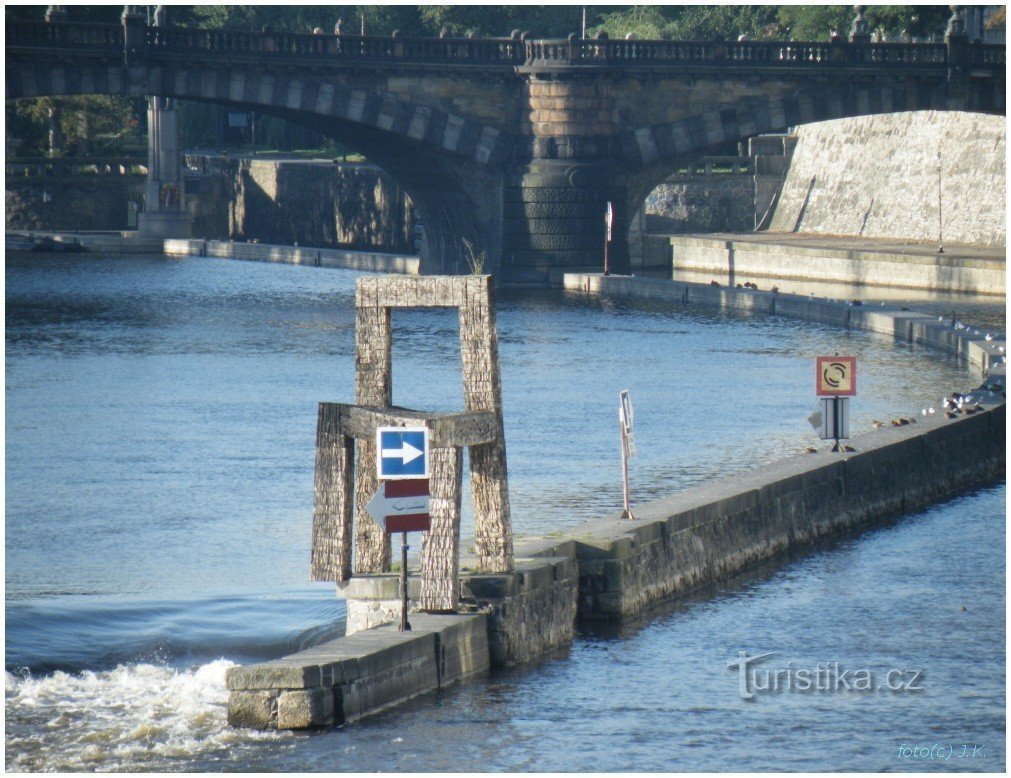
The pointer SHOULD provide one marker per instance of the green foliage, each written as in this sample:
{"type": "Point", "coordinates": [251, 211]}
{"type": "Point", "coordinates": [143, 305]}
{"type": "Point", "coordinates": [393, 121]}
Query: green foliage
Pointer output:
{"type": "Point", "coordinates": [86, 125]}
{"type": "Point", "coordinates": [816, 22]}
{"type": "Point", "coordinates": [545, 21]}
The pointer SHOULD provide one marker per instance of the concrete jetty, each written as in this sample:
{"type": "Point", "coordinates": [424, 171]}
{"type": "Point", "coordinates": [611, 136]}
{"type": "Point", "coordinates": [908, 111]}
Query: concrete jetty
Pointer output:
{"type": "Point", "coordinates": [128, 242]}
{"type": "Point", "coordinates": [610, 569]}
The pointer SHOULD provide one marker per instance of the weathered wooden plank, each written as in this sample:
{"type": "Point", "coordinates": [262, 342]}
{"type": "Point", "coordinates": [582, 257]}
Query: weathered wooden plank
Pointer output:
{"type": "Point", "coordinates": [332, 504]}
{"type": "Point", "coordinates": [373, 386]}
{"type": "Point", "coordinates": [422, 291]}
{"type": "Point", "coordinates": [445, 430]}
{"type": "Point", "coordinates": [493, 538]}
{"type": "Point", "coordinates": [440, 546]}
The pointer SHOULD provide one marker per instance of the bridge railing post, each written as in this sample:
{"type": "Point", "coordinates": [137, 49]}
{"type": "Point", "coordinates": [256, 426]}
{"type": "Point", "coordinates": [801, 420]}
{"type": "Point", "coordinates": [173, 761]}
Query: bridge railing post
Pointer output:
{"type": "Point", "coordinates": [134, 31]}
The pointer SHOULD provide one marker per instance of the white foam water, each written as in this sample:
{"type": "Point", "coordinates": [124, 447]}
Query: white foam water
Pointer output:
{"type": "Point", "coordinates": [136, 717]}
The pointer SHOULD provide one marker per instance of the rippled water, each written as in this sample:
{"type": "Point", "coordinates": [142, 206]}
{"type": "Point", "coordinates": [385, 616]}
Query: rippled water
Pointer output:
{"type": "Point", "coordinates": [160, 423]}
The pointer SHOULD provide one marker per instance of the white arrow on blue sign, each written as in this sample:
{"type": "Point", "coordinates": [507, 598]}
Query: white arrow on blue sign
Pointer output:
{"type": "Point", "coordinates": [401, 452]}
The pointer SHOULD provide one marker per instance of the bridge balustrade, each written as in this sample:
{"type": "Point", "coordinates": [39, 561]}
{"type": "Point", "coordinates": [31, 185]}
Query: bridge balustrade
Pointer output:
{"type": "Point", "coordinates": [46, 167]}
{"type": "Point", "coordinates": [898, 53]}
{"type": "Point", "coordinates": [989, 56]}
{"type": "Point", "coordinates": [182, 41]}
{"type": "Point", "coordinates": [65, 35]}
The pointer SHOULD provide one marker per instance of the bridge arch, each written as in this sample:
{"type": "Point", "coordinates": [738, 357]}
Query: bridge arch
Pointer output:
{"type": "Point", "coordinates": [446, 163]}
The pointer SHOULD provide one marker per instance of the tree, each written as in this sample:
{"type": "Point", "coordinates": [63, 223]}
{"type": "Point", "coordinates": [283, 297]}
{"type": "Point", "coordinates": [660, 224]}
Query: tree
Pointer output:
{"type": "Point", "coordinates": [77, 126]}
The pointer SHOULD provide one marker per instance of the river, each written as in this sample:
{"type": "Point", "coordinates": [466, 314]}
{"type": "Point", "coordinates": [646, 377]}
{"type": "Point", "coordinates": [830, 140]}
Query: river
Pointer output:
{"type": "Point", "coordinates": [160, 424]}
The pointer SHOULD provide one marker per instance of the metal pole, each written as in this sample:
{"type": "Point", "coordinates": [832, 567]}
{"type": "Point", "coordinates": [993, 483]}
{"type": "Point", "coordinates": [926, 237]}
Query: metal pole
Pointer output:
{"type": "Point", "coordinates": [405, 626]}
{"type": "Point", "coordinates": [627, 512]}
{"type": "Point", "coordinates": [607, 258]}
{"type": "Point", "coordinates": [583, 32]}
{"type": "Point", "coordinates": [836, 420]}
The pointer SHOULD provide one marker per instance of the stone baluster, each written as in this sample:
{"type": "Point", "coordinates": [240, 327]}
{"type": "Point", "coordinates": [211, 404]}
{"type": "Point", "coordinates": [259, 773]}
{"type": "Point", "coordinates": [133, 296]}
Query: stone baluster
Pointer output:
{"type": "Point", "coordinates": [859, 31]}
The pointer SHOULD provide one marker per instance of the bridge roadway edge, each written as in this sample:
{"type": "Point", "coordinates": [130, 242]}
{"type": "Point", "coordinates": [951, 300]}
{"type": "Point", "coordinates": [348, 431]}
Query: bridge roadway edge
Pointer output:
{"type": "Point", "coordinates": [612, 570]}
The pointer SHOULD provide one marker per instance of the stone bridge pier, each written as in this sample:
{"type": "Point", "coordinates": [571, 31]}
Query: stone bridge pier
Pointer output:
{"type": "Point", "coordinates": [555, 200]}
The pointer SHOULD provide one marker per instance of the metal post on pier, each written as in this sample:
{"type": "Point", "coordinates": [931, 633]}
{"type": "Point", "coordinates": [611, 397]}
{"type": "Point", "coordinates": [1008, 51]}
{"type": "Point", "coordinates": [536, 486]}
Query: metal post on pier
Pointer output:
{"type": "Point", "coordinates": [626, 417]}
{"type": "Point", "coordinates": [609, 221]}
{"type": "Point", "coordinates": [405, 625]}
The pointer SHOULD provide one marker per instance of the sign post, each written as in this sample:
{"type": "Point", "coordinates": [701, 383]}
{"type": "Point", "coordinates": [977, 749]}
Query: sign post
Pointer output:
{"type": "Point", "coordinates": [402, 506]}
{"type": "Point", "coordinates": [835, 384]}
{"type": "Point", "coordinates": [609, 222]}
{"type": "Point", "coordinates": [626, 418]}
{"type": "Point", "coordinates": [402, 502]}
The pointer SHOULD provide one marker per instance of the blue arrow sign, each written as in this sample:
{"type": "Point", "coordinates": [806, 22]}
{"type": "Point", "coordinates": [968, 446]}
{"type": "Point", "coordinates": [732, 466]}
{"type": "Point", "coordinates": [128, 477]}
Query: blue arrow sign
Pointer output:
{"type": "Point", "coordinates": [402, 452]}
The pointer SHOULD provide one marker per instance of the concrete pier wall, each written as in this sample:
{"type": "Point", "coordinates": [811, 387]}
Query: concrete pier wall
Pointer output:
{"type": "Point", "coordinates": [703, 535]}
{"type": "Point", "coordinates": [531, 611]}
{"type": "Point", "coordinates": [744, 257]}
{"type": "Point", "coordinates": [353, 676]}
{"type": "Point", "coordinates": [295, 255]}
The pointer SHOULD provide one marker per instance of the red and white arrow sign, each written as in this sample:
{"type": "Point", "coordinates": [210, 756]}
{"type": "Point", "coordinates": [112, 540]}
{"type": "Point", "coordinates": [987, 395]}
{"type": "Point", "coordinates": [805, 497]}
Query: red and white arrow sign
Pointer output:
{"type": "Point", "coordinates": [401, 506]}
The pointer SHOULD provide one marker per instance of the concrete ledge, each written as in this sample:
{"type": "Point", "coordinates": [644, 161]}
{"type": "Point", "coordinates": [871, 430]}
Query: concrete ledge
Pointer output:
{"type": "Point", "coordinates": [296, 255]}
{"type": "Point", "coordinates": [809, 259]}
{"type": "Point", "coordinates": [358, 674]}
{"type": "Point", "coordinates": [967, 344]}
{"type": "Point", "coordinates": [129, 242]}
{"type": "Point", "coordinates": [102, 242]}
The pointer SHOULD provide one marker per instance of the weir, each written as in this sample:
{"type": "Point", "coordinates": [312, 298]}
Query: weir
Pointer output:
{"type": "Point", "coordinates": [611, 569]}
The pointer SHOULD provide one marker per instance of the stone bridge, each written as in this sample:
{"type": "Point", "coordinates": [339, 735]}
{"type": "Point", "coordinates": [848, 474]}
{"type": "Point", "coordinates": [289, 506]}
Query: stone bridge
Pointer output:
{"type": "Point", "coordinates": [514, 144]}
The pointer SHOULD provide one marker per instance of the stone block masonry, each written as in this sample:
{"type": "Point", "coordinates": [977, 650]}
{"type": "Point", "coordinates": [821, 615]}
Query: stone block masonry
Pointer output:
{"type": "Point", "coordinates": [876, 176]}
{"type": "Point", "coordinates": [345, 679]}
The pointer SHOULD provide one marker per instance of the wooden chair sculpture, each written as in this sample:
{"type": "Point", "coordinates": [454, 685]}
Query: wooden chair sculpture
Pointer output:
{"type": "Point", "coordinates": [344, 431]}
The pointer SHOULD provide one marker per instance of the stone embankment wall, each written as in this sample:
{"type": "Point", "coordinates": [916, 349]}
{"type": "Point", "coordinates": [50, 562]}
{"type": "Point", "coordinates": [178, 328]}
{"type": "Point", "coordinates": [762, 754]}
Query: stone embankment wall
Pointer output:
{"type": "Point", "coordinates": [320, 204]}
{"type": "Point", "coordinates": [80, 202]}
{"type": "Point", "coordinates": [877, 176]}
{"type": "Point", "coordinates": [317, 204]}
{"type": "Point", "coordinates": [717, 203]}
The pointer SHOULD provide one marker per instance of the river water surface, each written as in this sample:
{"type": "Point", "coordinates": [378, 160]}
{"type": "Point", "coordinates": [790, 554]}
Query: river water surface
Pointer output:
{"type": "Point", "coordinates": [160, 420]}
